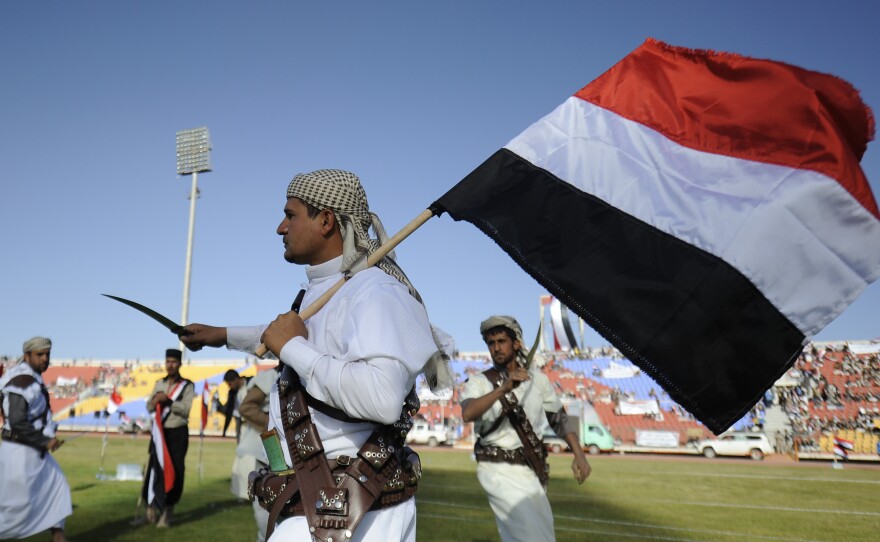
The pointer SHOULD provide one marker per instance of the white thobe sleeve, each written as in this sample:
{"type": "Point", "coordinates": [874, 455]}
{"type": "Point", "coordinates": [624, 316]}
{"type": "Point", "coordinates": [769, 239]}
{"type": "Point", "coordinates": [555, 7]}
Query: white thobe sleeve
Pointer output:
{"type": "Point", "coordinates": [552, 402]}
{"type": "Point", "coordinates": [385, 340]}
{"type": "Point", "coordinates": [244, 338]}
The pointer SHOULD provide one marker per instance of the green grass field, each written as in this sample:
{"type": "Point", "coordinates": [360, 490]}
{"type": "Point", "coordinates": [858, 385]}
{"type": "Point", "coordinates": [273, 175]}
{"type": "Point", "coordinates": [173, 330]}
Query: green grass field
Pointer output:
{"type": "Point", "coordinates": [626, 498]}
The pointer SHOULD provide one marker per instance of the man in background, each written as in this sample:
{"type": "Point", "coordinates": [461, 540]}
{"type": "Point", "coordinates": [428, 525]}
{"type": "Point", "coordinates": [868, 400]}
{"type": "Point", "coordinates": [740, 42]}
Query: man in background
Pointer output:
{"type": "Point", "coordinates": [237, 385]}
{"type": "Point", "coordinates": [249, 455]}
{"type": "Point", "coordinates": [34, 495]}
{"type": "Point", "coordinates": [512, 405]}
{"type": "Point", "coordinates": [170, 403]}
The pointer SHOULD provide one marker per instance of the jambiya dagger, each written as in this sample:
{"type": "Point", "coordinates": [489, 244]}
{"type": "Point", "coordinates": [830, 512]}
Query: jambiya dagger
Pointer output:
{"type": "Point", "coordinates": [172, 326]}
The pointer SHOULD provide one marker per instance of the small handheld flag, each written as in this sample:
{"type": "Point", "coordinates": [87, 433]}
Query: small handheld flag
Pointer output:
{"type": "Point", "coordinates": [206, 405]}
{"type": "Point", "coordinates": [115, 402]}
{"type": "Point", "coordinates": [842, 447]}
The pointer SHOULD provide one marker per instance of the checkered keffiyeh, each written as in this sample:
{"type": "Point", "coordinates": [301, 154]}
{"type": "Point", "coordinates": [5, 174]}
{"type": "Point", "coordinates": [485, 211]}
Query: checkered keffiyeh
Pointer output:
{"type": "Point", "coordinates": [36, 343]}
{"type": "Point", "coordinates": [341, 192]}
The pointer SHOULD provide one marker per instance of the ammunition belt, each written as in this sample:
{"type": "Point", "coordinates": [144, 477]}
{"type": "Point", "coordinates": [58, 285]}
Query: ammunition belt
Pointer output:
{"type": "Point", "coordinates": [494, 454]}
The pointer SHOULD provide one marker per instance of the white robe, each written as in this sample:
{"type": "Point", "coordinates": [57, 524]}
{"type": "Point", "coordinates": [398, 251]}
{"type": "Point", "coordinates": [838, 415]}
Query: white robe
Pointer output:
{"type": "Point", "coordinates": [34, 495]}
{"type": "Point", "coordinates": [364, 351]}
{"type": "Point", "coordinates": [250, 450]}
{"type": "Point", "coordinates": [516, 497]}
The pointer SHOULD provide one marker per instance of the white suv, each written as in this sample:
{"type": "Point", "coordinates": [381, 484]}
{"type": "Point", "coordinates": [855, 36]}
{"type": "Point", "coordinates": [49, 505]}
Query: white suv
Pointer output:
{"type": "Point", "coordinates": [422, 433]}
{"type": "Point", "coordinates": [754, 445]}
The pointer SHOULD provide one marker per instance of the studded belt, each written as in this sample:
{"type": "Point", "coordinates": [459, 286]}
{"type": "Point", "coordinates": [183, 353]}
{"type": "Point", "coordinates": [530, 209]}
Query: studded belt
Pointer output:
{"type": "Point", "coordinates": [266, 487]}
{"type": "Point", "coordinates": [494, 454]}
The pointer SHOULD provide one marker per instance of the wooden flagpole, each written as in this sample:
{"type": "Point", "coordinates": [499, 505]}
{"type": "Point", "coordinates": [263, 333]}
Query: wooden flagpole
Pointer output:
{"type": "Point", "coordinates": [201, 441]}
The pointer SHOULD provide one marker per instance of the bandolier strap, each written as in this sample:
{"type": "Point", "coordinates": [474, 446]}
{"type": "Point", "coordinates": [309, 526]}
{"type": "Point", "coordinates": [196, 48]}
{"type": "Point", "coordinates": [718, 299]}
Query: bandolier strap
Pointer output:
{"type": "Point", "coordinates": [532, 452]}
{"type": "Point", "coordinates": [334, 495]}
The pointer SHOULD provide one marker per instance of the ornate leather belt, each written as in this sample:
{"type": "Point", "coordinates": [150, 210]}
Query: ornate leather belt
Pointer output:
{"type": "Point", "coordinates": [494, 454]}
{"type": "Point", "coordinates": [267, 487]}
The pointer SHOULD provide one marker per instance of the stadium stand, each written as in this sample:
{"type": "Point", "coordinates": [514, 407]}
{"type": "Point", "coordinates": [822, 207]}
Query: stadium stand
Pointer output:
{"type": "Point", "coordinates": [833, 390]}
{"type": "Point", "coordinates": [80, 390]}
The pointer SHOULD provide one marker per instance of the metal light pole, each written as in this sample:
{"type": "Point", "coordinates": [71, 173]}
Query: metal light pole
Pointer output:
{"type": "Point", "coordinates": [193, 157]}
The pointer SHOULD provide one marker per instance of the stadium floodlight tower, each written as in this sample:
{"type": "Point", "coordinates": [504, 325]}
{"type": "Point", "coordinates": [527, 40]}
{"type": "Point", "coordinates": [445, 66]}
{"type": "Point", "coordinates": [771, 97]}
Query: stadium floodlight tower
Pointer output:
{"type": "Point", "coordinates": [193, 157]}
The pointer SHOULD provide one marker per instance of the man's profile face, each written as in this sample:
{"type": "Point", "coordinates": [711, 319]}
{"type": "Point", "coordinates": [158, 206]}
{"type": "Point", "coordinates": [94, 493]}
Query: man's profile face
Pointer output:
{"type": "Point", "coordinates": [300, 234]}
{"type": "Point", "coordinates": [38, 359]}
{"type": "Point", "coordinates": [172, 366]}
{"type": "Point", "coordinates": [502, 348]}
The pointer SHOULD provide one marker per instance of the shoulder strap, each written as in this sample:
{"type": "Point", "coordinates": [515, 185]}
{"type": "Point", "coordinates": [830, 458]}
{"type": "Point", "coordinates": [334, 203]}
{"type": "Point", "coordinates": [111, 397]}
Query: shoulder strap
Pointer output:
{"type": "Point", "coordinates": [494, 378]}
{"type": "Point", "coordinates": [533, 447]}
{"type": "Point", "coordinates": [174, 395]}
{"type": "Point", "coordinates": [24, 381]}
{"type": "Point", "coordinates": [21, 381]}
{"type": "Point", "coordinates": [334, 507]}
{"type": "Point", "coordinates": [304, 444]}
{"type": "Point", "coordinates": [333, 412]}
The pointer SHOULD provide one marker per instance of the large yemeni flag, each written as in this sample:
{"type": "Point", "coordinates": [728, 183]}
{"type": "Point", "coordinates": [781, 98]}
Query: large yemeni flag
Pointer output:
{"type": "Point", "coordinates": [705, 212]}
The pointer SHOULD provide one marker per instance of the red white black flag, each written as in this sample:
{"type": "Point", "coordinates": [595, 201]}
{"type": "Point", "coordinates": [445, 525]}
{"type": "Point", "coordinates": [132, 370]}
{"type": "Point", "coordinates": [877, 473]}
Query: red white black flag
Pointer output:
{"type": "Point", "coordinates": [160, 472]}
{"type": "Point", "coordinates": [206, 406]}
{"type": "Point", "coordinates": [114, 402]}
{"type": "Point", "coordinates": [704, 212]}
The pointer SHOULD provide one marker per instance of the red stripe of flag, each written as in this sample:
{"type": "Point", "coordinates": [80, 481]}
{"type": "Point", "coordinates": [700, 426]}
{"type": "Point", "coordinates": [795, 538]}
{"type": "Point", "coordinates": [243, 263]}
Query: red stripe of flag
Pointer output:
{"type": "Point", "coordinates": [747, 108]}
{"type": "Point", "coordinates": [115, 401]}
{"type": "Point", "coordinates": [843, 443]}
{"type": "Point", "coordinates": [162, 453]}
{"type": "Point", "coordinates": [205, 402]}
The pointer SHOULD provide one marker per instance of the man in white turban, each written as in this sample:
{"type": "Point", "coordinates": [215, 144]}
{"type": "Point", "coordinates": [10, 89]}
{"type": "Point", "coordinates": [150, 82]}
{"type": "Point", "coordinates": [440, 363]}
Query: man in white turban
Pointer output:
{"type": "Point", "coordinates": [34, 495]}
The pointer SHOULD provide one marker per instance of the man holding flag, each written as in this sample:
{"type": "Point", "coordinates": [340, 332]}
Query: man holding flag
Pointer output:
{"type": "Point", "coordinates": [357, 359]}
{"type": "Point", "coordinates": [170, 404]}
{"type": "Point", "coordinates": [249, 454]}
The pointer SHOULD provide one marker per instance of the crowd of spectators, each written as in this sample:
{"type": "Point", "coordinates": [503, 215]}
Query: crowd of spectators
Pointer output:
{"type": "Point", "coordinates": [829, 389]}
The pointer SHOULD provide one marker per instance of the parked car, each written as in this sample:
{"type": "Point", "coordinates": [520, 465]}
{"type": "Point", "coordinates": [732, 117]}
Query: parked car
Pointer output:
{"type": "Point", "coordinates": [754, 445]}
{"type": "Point", "coordinates": [423, 433]}
{"type": "Point", "coordinates": [142, 425]}
{"type": "Point", "coordinates": [555, 444]}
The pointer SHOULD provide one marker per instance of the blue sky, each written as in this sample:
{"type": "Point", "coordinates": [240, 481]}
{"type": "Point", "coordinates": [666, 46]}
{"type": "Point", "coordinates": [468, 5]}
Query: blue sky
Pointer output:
{"type": "Point", "coordinates": [409, 95]}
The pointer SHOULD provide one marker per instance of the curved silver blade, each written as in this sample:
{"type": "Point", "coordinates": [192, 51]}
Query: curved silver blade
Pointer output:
{"type": "Point", "coordinates": [534, 349]}
{"type": "Point", "coordinates": [172, 326]}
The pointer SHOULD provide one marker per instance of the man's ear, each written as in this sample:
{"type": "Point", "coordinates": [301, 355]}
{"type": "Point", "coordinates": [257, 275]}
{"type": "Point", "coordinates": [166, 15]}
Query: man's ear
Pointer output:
{"type": "Point", "coordinates": [328, 222]}
{"type": "Point", "coordinates": [517, 346]}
